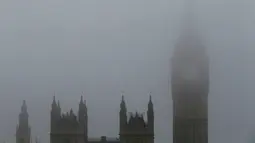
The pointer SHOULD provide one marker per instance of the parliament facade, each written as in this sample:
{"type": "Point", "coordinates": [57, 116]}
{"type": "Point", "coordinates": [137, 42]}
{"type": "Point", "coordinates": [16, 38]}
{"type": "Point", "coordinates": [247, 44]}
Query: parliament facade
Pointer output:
{"type": "Point", "coordinates": [73, 128]}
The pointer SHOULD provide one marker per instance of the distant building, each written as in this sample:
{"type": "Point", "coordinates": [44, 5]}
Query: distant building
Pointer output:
{"type": "Point", "coordinates": [70, 128]}
{"type": "Point", "coordinates": [190, 85]}
{"type": "Point", "coordinates": [135, 129]}
{"type": "Point", "coordinates": [23, 130]}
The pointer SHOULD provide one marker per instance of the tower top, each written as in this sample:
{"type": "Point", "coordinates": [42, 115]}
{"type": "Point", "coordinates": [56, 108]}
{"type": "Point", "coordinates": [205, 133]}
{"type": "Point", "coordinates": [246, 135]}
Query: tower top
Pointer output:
{"type": "Point", "coordinates": [123, 104]}
{"type": "Point", "coordinates": [122, 97]}
{"type": "Point", "coordinates": [54, 98]}
{"type": "Point", "coordinates": [24, 107]}
{"type": "Point", "coordinates": [150, 100]}
{"type": "Point", "coordinates": [190, 42]}
{"type": "Point", "coordinates": [81, 101]}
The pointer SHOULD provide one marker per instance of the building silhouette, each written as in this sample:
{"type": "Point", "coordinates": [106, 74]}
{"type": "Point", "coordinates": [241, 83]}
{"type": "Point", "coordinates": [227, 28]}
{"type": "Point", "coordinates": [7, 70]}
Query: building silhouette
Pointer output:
{"type": "Point", "coordinates": [135, 129]}
{"type": "Point", "coordinates": [68, 128]}
{"type": "Point", "coordinates": [73, 128]}
{"type": "Point", "coordinates": [190, 86]}
{"type": "Point", "coordinates": [23, 130]}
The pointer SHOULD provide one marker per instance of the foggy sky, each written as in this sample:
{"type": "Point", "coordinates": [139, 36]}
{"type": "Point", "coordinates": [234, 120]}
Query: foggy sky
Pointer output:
{"type": "Point", "coordinates": [103, 47]}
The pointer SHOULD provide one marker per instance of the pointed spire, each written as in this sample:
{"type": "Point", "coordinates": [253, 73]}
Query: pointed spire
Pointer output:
{"type": "Point", "coordinates": [150, 104]}
{"type": "Point", "coordinates": [122, 104]}
{"type": "Point", "coordinates": [82, 105]}
{"type": "Point", "coordinates": [54, 105]}
{"type": "Point", "coordinates": [150, 99]}
{"type": "Point", "coordinates": [82, 113]}
{"type": "Point", "coordinates": [24, 107]}
{"type": "Point", "coordinates": [150, 115]}
{"type": "Point", "coordinates": [54, 99]}
{"type": "Point", "coordinates": [122, 95]}
{"type": "Point", "coordinates": [122, 98]}
{"type": "Point", "coordinates": [123, 108]}
{"type": "Point", "coordinates": [81, 101]}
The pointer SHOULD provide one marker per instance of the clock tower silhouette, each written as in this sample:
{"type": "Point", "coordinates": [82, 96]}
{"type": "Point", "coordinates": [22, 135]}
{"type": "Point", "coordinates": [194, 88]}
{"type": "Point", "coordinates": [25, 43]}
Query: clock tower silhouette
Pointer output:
{"type": "Point", "coordinates": [190, 85]}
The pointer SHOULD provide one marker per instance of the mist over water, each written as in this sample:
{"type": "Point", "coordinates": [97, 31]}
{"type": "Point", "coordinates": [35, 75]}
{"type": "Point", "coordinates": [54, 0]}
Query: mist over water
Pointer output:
{"type": "Point", "coordinates": [101, 48]}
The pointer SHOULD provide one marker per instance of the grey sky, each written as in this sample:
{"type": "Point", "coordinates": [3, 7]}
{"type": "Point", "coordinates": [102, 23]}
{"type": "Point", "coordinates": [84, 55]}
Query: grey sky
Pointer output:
{"type": "Point", "coordinates": [103, 47]}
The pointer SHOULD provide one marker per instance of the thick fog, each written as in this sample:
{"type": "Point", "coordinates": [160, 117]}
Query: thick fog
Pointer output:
{"type": "Point", "coordinates": [103, 47]}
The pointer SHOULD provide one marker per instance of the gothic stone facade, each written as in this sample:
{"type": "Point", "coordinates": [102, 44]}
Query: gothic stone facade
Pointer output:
{"type": "Point", "coordinates": [72, 128]}
{"type": "Point", "coordinates": [135, 129]}
{"type": "Point", "coordinates": [190, 87]}
{"type": "Point", "coordinates": [68, 128]}
{"type": "Point", "coordinates": [23, 128]}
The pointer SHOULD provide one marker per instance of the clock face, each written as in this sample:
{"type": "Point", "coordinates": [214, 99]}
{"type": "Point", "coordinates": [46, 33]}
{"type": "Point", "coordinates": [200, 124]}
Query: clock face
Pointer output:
{"type": "Point", "coordinates": [189, 72]}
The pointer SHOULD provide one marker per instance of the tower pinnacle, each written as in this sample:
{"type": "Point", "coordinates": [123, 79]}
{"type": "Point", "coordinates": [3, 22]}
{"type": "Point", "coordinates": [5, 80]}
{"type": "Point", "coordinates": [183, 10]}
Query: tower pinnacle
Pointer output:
{"type": "Point", "coordinates": [81, 101]}
{"type": "Point", "coordinates": [24, 107]}
{"type": "Point", "coordinates": [189, 76]}
{"type": "Point", "coordinates": [23, 129]}
{"type": "Point", "coordinates": [123, 104]}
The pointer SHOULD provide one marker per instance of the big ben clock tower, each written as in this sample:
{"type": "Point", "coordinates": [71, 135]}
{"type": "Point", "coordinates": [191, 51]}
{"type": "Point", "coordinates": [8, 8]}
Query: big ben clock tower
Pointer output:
{"type": "Point", "coordinates": [190, 86]}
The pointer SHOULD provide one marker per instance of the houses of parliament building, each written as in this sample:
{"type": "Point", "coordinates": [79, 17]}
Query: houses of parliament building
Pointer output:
{"type": "Point", "coordinates": [73, 128]}
{"type": "Point", "coordinates": [189, 90]}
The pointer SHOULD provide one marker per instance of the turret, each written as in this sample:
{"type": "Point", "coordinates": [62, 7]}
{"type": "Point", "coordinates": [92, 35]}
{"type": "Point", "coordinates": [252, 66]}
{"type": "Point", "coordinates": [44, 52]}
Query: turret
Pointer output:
{"type": "Point", "coordinates": [23, 116]}
{"type": "Point", "coordinates": [135, 129]}
{"type": "Point", "coordinates": [23, 129]}
{"type": "Point", "coordinates": [83, 118]}
{"type": "Point", "coordinates": [82, 110]}
{"type": "Point", "coordinates": [122, 114]}
{"type": "Point", "coordinates": [150, 116]}
{"type": "Point", "coordinates": [54, 106]}
{"type": "Point", "coordinates": [55, 112]}
{"type": "Point", "coordinates": [71, 126]}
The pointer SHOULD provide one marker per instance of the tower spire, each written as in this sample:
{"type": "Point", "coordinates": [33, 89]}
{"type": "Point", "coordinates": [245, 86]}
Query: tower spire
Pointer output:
{"type": "Point", "coordinates": [24, 107]}
{"type": "Point", "coordinates": [150, 104]}
{"type": "Point", "coordinates": [81, 101]}
{"type": "Point", "coordinates": [122, 95]}
{"type": "Point", "coordinates": [122, 114]}
{"type": "Point", "coordinates": [122, 104]}
{"type": "Point", "coordinates": [150, 115]}
{"type": "Point", "coordinates": [54, 99]}
{"type": "Point", "coordinates": [189, 75]}
{"type": "Point", "coordinates": [54, 104]}
{"type": "Point", "coordinates": [23, 129]}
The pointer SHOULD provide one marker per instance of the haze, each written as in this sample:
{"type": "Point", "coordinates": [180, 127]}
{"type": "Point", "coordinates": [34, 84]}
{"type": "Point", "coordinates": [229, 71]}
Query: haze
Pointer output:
{"type": "Point", "coordinates": [103, 47]}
